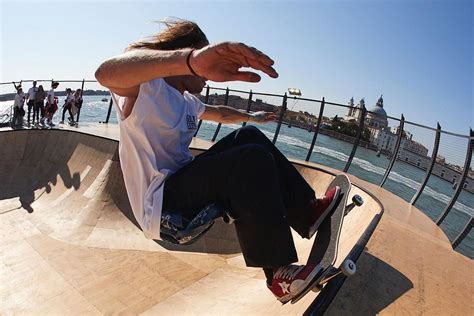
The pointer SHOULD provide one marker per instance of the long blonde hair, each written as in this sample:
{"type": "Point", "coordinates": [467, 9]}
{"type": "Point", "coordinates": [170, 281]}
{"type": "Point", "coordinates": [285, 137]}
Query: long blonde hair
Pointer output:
{"type": "Point", "coordinates": [177, 35]}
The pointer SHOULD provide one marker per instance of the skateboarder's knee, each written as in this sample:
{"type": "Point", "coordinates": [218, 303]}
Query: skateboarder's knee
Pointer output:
{"type": "Point", "coordinates": [256, 158]}
{"type": "Point", "coordinates": [250, 133]}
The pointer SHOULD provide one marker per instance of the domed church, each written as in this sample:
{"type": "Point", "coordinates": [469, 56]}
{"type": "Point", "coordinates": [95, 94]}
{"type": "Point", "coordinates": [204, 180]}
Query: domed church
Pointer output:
{"type": "Point", "coordinates": [376, 116]}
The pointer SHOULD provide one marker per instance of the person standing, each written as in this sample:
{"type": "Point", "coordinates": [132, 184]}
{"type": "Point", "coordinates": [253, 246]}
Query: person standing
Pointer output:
{"type": "Point", "coordinates": [18, 111]}
{"type": "Point", "coordinates": [67, 105]}
{"type": "Point", "coordinates": [39, 104]}
{"type": "Point", "coordinates": [51, 104]}
{"type": "Point", "coordinates": [30, 99]}
{"type": "Point", "coordinates": [76, 105]}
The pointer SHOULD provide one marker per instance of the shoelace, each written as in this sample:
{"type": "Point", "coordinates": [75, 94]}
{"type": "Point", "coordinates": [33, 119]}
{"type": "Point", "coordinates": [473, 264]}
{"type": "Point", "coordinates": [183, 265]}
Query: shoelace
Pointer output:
{"type": "Point", "coordinates": [288, 272]}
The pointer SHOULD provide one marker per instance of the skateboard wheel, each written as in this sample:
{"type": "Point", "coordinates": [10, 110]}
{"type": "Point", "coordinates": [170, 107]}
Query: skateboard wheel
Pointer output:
{"type": "Point", "coordinates": [357, 200]}
{"type": "Point", "coordinates": [348, 267]}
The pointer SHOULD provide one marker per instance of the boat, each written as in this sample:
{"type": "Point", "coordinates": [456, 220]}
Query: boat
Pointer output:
{"type": "Point", "coordinates": [105, 100]}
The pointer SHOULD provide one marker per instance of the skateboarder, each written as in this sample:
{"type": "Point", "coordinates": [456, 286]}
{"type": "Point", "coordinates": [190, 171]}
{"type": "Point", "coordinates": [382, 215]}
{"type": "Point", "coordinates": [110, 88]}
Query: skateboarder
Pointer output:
{"type": "Point", "coordinates": [153, 85]}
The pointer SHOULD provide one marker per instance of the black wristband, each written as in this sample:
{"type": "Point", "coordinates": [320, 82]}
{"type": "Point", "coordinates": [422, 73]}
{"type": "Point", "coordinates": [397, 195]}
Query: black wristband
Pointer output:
{"type": "Point", "coordinates": [189, 64]}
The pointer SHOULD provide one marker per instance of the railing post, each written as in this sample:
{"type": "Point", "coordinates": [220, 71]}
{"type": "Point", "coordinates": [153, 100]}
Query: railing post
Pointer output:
{"type": "Point", "coordinates": [226, 101]}
{"type": "Point", "coordinates": [428, 171]}
{"type": "Point", "coordinates": [464, 232]}
{"type": "Point", "coordinates": [320, 117]}
{"type": "Point", "coordinates": [357, 140]}
{"type": "Point", "coordinates": [395, 151]}
{"type": "Point", "coordinates": [249, 105]}
{"type": "Point", "coordinates": [109, 110]}
{"type": "Point", "coordinates": [206, 101]}
{"type": "Point", "coordinates": [79, 109]}
{"type": "Point", "coordinates": [467, 164]}
{"type": "Point", "coordinates": [280, 118]}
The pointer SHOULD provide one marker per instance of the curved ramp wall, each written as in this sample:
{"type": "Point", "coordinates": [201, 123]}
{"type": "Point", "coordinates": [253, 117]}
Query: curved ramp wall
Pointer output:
{"type": "Point", "coordinates": [69, 244]}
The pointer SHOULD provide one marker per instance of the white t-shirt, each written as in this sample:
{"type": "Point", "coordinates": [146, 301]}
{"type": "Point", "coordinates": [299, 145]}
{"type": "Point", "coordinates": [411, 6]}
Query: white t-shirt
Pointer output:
{"type": "Point", "coordinates": [70, 97]}
{"type": "Point", "coordinates": [50, 96]}
{"type": "Point", "coordinates": [19, 99]}
{"type": "Point", "coordinates": [32, 93]}
{"type": "Point", "coordinates": [154, 143]}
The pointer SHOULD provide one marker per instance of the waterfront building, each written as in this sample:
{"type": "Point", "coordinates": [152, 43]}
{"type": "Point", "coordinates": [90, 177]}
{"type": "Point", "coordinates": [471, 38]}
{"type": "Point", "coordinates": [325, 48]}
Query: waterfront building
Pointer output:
{"type": "Point", "coordinates": [350, 114]}
{"type": "Point", "coordinates": [376, 116]}
{"type": "Point", "coordinates": [354, 111]}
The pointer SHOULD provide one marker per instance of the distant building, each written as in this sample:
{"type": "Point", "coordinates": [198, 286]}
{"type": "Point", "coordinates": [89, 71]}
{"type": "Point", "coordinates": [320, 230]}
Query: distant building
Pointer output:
{"type": "Point", "coordinates": [354, 111]}
{"type": "Point", "coordinates": [375, 120]}
{"type": "Point", "coordinates": [376, 116]}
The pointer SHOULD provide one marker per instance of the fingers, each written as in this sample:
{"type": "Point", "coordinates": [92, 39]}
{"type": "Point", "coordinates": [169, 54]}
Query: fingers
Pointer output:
{"type": "Point", "coordinates": [247, 56]}
{"type": "Point", "coordinates": [247, 76]}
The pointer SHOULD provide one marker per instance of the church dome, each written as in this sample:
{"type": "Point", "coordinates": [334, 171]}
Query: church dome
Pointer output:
{"type": "Point", "coordinates": [378, 111]}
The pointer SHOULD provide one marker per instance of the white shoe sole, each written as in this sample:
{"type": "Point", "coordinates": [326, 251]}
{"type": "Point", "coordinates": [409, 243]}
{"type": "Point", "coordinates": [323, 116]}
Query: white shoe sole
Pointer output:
{"type": "Point", "coordinates": [285, 299]}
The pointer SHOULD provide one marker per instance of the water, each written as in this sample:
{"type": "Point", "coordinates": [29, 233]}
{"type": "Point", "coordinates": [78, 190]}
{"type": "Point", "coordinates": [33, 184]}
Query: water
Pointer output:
{"type": "Point", "coordinates": [404, 179]}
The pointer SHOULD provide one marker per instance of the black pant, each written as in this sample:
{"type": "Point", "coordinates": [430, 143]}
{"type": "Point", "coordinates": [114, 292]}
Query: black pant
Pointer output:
{"type": "Point", "coordinates": [67, 107]}
{"type": "Point", "coordinates": [247, 174]}
{"type": "Point", "coordinates": [39, 105]}
{"type": "Point", "coordinates": [31, 105]}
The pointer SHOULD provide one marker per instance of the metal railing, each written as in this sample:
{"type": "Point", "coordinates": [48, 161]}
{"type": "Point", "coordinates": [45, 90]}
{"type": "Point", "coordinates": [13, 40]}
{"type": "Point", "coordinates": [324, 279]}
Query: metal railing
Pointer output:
{"type": "Point", "coordinates": [316, 129]}
{"type": "Point", "coordinates": [50, 81]}
{"type": "Point", "coordinates": [283, 108]}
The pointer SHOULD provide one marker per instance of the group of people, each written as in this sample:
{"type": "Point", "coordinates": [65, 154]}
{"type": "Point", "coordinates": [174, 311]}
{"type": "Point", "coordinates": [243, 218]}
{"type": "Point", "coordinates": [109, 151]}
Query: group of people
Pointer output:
{"type": "Point", "coordinates": [42, 105]}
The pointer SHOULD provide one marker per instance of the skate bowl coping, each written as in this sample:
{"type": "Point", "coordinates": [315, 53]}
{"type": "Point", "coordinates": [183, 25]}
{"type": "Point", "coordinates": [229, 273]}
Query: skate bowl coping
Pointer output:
{"type": "Point", "coordinates": [70, 243]}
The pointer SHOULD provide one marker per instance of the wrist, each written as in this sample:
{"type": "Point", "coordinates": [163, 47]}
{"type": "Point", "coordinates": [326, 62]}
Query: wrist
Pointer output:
{"type": "Point", "coordinates": [188, 62]}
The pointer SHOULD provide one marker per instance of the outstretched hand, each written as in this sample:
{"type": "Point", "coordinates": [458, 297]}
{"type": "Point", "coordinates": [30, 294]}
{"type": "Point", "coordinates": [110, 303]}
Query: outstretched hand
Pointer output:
{"type": "Point", "coordinates": [222, 62]}
{"type": "Point", "coordinates": [262, 117]}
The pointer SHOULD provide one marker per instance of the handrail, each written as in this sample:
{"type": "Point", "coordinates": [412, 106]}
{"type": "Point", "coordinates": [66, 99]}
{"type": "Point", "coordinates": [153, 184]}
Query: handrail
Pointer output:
{"type": "Point", "coordinates": [395, 152]}
{"type": "Point", "coordinates": [467, 164]}
{"type": "Point", "coordinates": [316, 130]}
{"type": "Point", "coordinates": [357, 139]}
{"type": "Point", "coordinates": [464, 232]}
{"type": "Point", "coordinates": [280, 118]}
{"type": "Point", "coordinates": [249, 105]}
{"type": "Point", "coordinates": [428, 171]}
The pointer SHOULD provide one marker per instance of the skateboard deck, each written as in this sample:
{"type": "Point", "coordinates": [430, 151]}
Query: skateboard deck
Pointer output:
{"type": "Point", "coordinates": [326, 242]}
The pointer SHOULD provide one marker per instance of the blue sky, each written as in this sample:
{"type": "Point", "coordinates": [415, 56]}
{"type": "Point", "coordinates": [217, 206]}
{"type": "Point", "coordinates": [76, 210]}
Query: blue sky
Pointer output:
{"type": "Point", "coordinates": [418, 54]}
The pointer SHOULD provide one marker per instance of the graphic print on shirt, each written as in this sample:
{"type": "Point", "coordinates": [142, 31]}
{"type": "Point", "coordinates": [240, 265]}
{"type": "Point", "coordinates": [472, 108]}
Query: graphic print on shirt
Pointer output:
{"type": "Point", "coordinates": [191, 122]}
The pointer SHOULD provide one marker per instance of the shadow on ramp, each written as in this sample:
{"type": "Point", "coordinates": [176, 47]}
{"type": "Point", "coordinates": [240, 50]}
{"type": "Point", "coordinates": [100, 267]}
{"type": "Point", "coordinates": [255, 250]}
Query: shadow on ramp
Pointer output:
{"type": "Point", "coordinates": [384, 286]}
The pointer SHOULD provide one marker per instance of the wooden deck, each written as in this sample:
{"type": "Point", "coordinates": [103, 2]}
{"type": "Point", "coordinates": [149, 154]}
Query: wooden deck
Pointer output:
{"type": "Point", "coordinates": [69, 245]}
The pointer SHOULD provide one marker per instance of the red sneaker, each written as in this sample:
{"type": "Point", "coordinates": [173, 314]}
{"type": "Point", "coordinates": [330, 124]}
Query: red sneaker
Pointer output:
{"type": "Point", "coordinates": [291, 280]}
{"type": "Point", "coordinates": [322, 207]}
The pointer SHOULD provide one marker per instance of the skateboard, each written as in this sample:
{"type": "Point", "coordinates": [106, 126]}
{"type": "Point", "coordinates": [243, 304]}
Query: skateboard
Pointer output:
{"type": "Point", "coordinates": [325, 247]}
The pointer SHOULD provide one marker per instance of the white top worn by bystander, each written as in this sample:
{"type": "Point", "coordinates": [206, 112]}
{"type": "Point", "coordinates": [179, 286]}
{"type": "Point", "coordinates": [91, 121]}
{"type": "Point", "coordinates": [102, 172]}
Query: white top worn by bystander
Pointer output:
{"type": "Point", "coordinates": [32, 93]}
{"type": "Point", "coordinates": [19, 100]}
{"type": "Point", "coordinates": [154, 143]}
{"type": "Point", "coordinates": [50, 96]}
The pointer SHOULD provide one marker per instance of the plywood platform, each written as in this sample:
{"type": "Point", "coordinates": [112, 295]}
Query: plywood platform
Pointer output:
{"type": "Point", "coordinates": [69, 245]}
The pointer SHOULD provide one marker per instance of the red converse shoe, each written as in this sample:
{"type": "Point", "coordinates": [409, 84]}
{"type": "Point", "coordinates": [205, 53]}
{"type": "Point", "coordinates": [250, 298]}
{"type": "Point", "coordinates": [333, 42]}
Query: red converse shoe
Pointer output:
{"type": "Point", "coordinates": [291, 280]}
{"type": "Point", "coordinates": [322, 207]}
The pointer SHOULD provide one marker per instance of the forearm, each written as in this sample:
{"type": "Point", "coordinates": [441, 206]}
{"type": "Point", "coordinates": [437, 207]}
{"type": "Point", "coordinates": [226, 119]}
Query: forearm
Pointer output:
{"type": "Point", "coordinates": [135, 67]}
{"type": "Point", "coordinates": [230, 115]}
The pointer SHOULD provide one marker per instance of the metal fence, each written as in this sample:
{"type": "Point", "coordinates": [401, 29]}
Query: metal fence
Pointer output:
{"type": "Point", "coordinates": [401, 125]}
{"type": "Point", "coordinates": [6, 115]}
{"type": "Point", "coordinates": [317, 125]}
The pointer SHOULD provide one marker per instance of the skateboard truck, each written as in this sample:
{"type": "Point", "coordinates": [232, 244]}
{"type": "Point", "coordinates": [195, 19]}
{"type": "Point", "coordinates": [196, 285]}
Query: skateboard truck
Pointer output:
{"type": "Point", "coordinates": [357, 200]}
{"type": "Point", "coordinates": [348, 268]}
